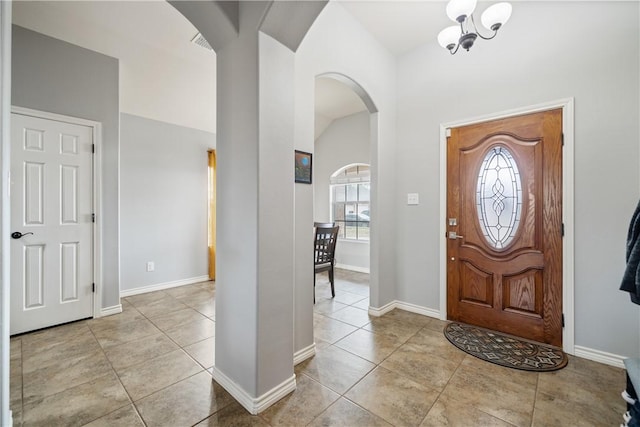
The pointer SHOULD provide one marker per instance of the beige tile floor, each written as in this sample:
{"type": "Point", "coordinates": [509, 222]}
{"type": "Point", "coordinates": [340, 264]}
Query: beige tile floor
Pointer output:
{"type": "Point", "coordinates": [150, 365]}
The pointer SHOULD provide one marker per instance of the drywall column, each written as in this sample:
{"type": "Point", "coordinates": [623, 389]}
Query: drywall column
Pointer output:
{"type": "Point", "coordinates": [254, 289]}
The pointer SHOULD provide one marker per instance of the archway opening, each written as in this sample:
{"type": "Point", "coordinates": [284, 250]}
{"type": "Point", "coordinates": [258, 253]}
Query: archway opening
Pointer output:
{"type": "Point", "coordinates": [344, 134]}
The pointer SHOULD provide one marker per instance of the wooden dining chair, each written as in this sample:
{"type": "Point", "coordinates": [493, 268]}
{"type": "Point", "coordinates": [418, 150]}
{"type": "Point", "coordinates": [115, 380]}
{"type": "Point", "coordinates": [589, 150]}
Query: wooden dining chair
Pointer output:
{"type": "Point", "coordinates": [324, 224]}
{"type": "Point", "coordinates": [324, 254]}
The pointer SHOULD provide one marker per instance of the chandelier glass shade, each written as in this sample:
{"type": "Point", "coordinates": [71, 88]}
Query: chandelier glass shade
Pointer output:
{"type": "Point", "coordinates": [465, 33]}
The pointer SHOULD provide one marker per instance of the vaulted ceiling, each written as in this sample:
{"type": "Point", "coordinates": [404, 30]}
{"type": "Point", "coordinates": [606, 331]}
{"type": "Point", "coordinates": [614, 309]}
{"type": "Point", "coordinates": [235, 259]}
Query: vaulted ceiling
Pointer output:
{"type": "Point", "coordinates": [113, 27]}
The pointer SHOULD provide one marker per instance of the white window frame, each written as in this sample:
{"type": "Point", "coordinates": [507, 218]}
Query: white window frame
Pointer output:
{"type": "Point", "coordinates": [348, 181]}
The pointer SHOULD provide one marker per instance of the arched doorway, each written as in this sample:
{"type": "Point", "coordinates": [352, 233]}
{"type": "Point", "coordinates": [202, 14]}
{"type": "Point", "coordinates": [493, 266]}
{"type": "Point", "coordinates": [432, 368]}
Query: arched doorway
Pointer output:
{"type": "Point", "coordinates": [345, 132]}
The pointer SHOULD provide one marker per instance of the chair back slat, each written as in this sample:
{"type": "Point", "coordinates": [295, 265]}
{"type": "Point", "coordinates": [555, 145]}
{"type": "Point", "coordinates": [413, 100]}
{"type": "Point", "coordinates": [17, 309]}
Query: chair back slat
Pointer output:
{"type": "Point", "coordinates": [325, 244]}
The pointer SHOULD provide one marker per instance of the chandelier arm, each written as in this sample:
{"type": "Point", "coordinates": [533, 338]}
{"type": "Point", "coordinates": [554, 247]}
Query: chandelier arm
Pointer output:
{"type": "Point", "coordinates": [453, 52]}
{"type": "Point", "coordinates": [478, 32]}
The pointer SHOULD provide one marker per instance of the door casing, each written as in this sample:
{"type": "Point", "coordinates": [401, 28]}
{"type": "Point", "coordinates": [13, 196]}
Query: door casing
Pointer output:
{"type": "Point", "coordinates": [567, 105]}
{"type": "Point", "coordinates": [97, 195]}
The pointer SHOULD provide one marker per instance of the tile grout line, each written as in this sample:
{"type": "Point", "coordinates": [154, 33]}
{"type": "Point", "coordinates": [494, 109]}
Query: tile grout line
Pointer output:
{"type": "Point", "coordinates": [186, 353]}
{"type": "Point", "coordinates": [131, 402]}
{"type": "Point", "coordinates": [535, 398]}
{"type": "Point", "coordinates": [377, 365]}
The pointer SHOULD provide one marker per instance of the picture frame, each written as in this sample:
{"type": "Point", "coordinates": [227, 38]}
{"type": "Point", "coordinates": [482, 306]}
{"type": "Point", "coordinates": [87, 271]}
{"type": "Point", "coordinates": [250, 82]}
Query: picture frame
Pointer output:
{"type": "Point", "coordinates": [303, 167]}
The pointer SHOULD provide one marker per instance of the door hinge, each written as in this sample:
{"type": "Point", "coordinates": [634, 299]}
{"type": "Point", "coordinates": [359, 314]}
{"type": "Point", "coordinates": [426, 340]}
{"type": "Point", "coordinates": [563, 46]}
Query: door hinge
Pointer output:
{"type": "Point", "coordinates": [563, 320]}
{"type": "Point", "coordinates": [93, 289]}
{"type": "Point", "coordinates": [93, 148]}
{"type": "Point", "coordinates": [562, 137]}
{"type": "Point", "coordinates": [562, 229]}
{"type": "Point", "coordinates": [93, 217]}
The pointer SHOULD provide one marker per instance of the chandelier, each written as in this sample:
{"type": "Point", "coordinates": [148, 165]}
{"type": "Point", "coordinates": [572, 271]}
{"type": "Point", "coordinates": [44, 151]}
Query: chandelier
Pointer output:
{"type": "Point", "coordinates": [465, 34]}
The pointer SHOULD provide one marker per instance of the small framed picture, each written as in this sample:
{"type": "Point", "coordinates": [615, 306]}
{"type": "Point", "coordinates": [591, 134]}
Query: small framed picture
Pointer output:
{"type": "Point", "coordinates": [303, 167]}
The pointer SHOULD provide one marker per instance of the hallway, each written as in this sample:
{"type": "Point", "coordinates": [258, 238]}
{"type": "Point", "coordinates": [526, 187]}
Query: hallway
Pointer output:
{"type": "Point", "coordinates": [150, 366]}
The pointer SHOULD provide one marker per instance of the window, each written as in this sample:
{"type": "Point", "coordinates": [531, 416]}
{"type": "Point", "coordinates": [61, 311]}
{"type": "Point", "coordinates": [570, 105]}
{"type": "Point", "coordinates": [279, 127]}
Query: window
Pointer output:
{"type": "Point", "coordinates": [350, 200]}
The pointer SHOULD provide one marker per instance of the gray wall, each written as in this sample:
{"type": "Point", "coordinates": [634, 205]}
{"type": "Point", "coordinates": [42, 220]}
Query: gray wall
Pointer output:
{"type": "Point", "coordinates": [337, 43]}
{"type": "Point", "coordinates": [254, 290]}
{"type": "Point", "coordinates": [58, 77]}
{"type": "Point", "coordinates": [163, 214]}
{"type": "Point", "coordinates": [536, 58]}
{"type": "Point", "coordinates": [344, 142]}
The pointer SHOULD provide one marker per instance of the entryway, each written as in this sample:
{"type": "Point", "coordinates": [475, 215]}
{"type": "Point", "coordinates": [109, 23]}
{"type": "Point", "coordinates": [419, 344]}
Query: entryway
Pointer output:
{"type": "Point", "coordinates": [504, 223]}
{"type": "Point", "coordinates": [52, 220]}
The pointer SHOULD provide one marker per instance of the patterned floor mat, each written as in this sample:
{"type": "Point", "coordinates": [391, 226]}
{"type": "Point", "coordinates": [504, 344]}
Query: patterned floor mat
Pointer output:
{"type": "Point", "coordinates": [505, 350]}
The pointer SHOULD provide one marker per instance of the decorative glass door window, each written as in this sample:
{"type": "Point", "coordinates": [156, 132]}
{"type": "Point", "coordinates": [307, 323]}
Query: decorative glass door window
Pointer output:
{"type": "Point", "coordinates": [499, 197]}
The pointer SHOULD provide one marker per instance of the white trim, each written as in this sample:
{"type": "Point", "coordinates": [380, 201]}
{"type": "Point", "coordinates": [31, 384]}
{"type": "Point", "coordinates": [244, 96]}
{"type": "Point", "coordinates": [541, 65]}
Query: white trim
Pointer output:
{"type": "Point", "coordinates": [406, 306]}
{"type": "Point", "coordinates": [162, 286]}
{"type": "Point", "coordinates": [568, 285]}
{"type": "Point", "coordinates": [568, 254]}
{"type": "Point", "coordinates": [304, 354]}
{"type": "Point", "coordinates": [52, 116]}
{"type": "Point", "coordinates": [353, 268]}
{"type": "Point", "coordinates": [99, 224]}
{"type": "Point", "coordinates": [418, 309]}
{"type": "Point", "coordinates": [5, 227]}
{"type": "Point", "coordinates": [599, 356]}
{"type": "Point", "coordinates": [108, 311]}
{"type": "Point", "coordinates": [251, 404]}
{"type": "Point", "coordinates": [379, 311]}
{"type": "Point", "coordinates": [96, 162]}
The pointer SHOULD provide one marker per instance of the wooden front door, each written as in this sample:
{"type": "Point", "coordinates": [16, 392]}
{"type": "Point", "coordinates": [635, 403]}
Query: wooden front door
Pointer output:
{"type": "Point", "coordinates": [504, 216]}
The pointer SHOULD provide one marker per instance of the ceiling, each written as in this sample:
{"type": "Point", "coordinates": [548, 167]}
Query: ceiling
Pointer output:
{"type": "Point", "coordinates": [107, 26]}
{"type": "Point", "coordinates": [401, 25]}
{"type": "Point", "coordinates": [328, 92]}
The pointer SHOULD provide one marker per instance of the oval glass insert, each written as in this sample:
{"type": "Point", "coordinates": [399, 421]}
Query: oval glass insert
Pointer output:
{"type": "Point", "coordinates": [499, 197]}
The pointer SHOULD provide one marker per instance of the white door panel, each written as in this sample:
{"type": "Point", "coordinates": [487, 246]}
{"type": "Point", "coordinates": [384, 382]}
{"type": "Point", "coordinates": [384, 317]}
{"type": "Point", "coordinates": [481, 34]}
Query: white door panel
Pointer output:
{"type": "Point", "coordinates": [51, 197]}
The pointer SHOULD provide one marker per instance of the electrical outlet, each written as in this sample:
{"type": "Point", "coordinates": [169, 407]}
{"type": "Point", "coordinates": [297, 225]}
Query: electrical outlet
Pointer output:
{"type": "Point", "coordinates": [150, 266]}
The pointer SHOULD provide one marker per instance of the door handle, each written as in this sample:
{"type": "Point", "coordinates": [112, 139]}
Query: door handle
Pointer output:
{"type": "Point", "coordinates": [453, 235]}
{"type": "Point", "coordinates": [17, 234]}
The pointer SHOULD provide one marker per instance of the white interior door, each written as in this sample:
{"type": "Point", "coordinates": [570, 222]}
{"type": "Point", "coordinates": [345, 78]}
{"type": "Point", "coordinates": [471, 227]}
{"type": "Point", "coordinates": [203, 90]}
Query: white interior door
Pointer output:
{"type": "Point", "coordinates": [51, 197]}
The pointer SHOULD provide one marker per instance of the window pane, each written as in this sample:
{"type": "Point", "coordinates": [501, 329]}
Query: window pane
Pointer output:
{"type": "Point", "coordinates": [363, 212]}
{"type": "Point", "coordinates": [350, 210]}
{"type": "Point", "coordinates": [364, 192]}
{"type": "Point", "coordinates": [363, 231]}
{"type": "Point", "coordinates": [352, 171]}
{"type": "Point", "coordinates": [350, 231]}
{"type": "Point", "coordinates": [338, 212]}
{"type": "Point", "coordinates": [338, 193]}
{"type": "Point", "coordinates": [352, 193]}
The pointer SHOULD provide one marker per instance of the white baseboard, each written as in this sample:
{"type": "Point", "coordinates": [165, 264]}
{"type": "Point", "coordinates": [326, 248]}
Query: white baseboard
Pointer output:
{"type": "Point", "coordinates": [600, 356]}
{"type": "Point", "coordinates": [162, 286]}
{"type": "Point", "coordinates": [251, 404]}
{"type": "Point", "coordinates": [353, 268]}
{"type": "Point", "coordinates": [418, 309]}
{"type": "Point", "coordinates": [108, 311]}
{"type": "Point", "coordinates": [379, 311]}
{"type": "Point", "coordinates": [304, 354]}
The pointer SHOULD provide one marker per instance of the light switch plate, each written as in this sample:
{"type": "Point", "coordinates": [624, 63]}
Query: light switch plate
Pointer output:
{"type": "Point", "coordinates": [413, 199]}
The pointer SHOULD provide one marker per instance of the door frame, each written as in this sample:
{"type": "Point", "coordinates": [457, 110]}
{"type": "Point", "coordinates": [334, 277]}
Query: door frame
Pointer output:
{"type": "Point", "coordinates": [96, 193]}
{"type": "Point", "coordinates": [567, 106]}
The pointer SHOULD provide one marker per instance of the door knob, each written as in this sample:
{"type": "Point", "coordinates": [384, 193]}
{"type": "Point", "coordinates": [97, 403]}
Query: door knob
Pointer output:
{"type": "Point", "coordinates": [17, 234]}
{"type": "Point", "coordinates": [453, 235]}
